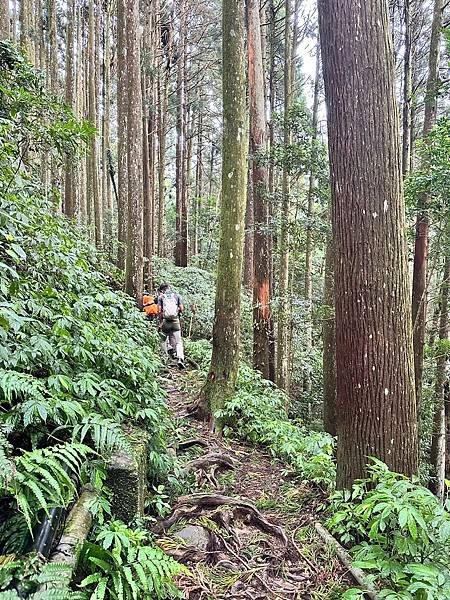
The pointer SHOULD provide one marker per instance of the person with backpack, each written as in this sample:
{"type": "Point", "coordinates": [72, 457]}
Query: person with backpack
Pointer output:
{"type": "Point", "coordinates": [170, 309]}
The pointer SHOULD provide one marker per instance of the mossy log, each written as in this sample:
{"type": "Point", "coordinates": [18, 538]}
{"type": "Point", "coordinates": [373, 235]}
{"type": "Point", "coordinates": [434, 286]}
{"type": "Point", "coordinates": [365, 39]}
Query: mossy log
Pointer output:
{"type": "Point", "coordinates": [127, 479]}
{"type": "Point", "coordinates": [75, 532]}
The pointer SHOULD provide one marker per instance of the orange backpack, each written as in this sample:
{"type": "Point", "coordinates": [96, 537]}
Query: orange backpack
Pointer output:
{"type": "Point", "coordinates": [150, 306]}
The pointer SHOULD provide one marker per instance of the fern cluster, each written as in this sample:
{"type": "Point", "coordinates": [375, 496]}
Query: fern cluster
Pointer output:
{"type": "Point", "coordinates": [123, 566]}
{"type": "Point", "coordinates": [77, 360]}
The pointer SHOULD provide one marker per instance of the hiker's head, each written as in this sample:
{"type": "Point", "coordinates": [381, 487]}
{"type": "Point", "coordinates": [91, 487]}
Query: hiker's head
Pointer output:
{"type": "Point", "coordinates": [163, 288]}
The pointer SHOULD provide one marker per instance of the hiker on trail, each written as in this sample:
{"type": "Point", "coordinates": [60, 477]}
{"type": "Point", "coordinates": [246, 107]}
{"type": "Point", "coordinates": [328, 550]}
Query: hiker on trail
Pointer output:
{"type": "Point", "coordinates": [170, 309]}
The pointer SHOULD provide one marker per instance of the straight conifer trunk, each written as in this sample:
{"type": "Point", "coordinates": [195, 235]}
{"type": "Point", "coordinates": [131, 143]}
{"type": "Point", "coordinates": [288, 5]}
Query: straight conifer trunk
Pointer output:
{"type": "Point", "coordinates": [223, 371]}
{"type": "Point", "coordinates": [375, 408]}
{"type": "Point", "coordinates": [181, 147]}
{"type": "Point", "coordinates": [283, 321]}
{"type": "Point", "coordinates": [407, 89]}
{"type": "Point", "coordinates": [258, 145]}
{"type": "Point", "coordinates": [69, 183]}
{"type": "Point", "coordinates": [134, 260]}
{"type": "Point", "coordinates": [93, 183]}
{"type": "Point", "coordinates": [122, 167]}
{"type": "Point", "coordinates": [4, 20]}
{"type": "Point", "coordinates": [420, 270]}
{"type": "Point", "coordinates": [438, 445]}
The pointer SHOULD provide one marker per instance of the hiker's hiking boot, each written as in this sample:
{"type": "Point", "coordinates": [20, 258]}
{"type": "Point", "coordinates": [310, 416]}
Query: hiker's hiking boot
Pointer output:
{"type": "Point", "coordinates": [181, 364]}
{"type": "Point", "coordinates": [171, 353]}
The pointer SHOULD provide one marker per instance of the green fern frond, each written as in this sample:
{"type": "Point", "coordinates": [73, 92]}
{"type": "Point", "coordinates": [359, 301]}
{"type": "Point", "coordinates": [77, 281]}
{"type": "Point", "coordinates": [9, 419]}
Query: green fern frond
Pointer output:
{"type": "Point", "coordinates": [6, 464]}
{"type": "Point", "coordinates": [106, 434]}
{"type": "Point", "coordinates": [14, 535]}
{"type": "Point", "coordinates": [44, 478]}
{"type": "Point", "coordinates": [21, 385]}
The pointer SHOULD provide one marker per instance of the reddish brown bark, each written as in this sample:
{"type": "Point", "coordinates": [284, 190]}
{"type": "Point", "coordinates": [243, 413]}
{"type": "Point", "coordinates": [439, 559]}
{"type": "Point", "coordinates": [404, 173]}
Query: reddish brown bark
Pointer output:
{"type": "Point", "coordinates": [258, 144]}
{"type": "Point", "coordinates": [375, 404]}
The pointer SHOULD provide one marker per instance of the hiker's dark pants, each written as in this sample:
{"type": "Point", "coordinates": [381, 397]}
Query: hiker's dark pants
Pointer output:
{"type": "Point", "coordinates": [172, 330]}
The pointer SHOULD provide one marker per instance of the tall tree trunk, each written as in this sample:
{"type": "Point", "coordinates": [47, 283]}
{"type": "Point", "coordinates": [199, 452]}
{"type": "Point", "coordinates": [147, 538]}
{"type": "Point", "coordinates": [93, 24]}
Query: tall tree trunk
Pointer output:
{"type": "Point", "coordinates": [80, 173]}
{"type": "Point", "coordinates": [180, 250]}
{"type": "Point", "coordinates": [247, 273]}
{"type": "Point", "coordinates": [258, 146]}
{"type": "Point", "coordinates": [310, 215]}
{"type": "Point", "coordinates": [107, 207]}
{"type": "Point", "coordinates": [5, 28]}
{"type": "Point", "coordinates": [375, 407]}
{"type": "Point", "coordinates": [222, 375]}
{"type": "Point", "coordinates": [271, 32]}
{"type": "Point", "coordinates": [134, 262]}
{"type": "Point", "coordinates": [438, 451]}
{"type": "Point", "coordinates": [39, 51]}
{"type": "Point", "coordinates": [198, 182]}
{"type": "Point", "coordinates": [148, 126]}
{"type": "Point", "coordinates": [284, 237]}
{"type": "Point", "coordinates": [53, 46]}
{"type": "Point", "coordinates": [162, 126]}
{"type": "Point", "coordinates": [26, 29]}
{"type": "Point", "coordinates": [329, 344]}
{"type": "Point", "coordinates": [420, 269]}
{"type": "Point", "coordinates": [69, 183]}
{"type": "Point", "coordinates": [407, 89]}
{"type": "Point", "coordinates": [122, 100]}
{"type": "Point", "coordinates": [93, 184]}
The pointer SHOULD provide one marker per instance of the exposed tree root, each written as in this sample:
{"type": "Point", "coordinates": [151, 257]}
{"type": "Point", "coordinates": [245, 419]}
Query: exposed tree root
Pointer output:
{"type": "Point", "coordinates": [183, 446]}
{"type": "Point", "coordinates": [210, 460]}
{"type": "Point", "coordinates": [191, 506]}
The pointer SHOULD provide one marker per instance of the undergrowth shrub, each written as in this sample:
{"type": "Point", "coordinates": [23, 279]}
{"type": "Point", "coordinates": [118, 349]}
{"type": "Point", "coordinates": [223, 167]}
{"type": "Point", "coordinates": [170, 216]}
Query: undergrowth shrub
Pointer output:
{"type": "Point", "coordinates": [399, 534]}
{"type": "Point", "coordinates": [78, 362]}
{"type": "Point", "coordinates": [122, 564]}
{"type": "Point", "coordinates": [257, 413]}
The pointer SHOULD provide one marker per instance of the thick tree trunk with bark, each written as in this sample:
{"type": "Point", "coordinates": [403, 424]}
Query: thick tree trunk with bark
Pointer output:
{"type": "Point", "coordinates": [419, 289]}
{"type": "Point", "coordinates": [329, 344]}
{"type": "Point", "coordinates": [438, 450]}
{"type": "Point", "coordinates": [222, 375]}
{"type": "Point", "coordinates": [375, 408]}
{"type": "Point", "coordinates": [258, 146]}
{"type": "Point", "coordinates": [283, 320]}
{"type": "Point", "coordinates": [134, 260]}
